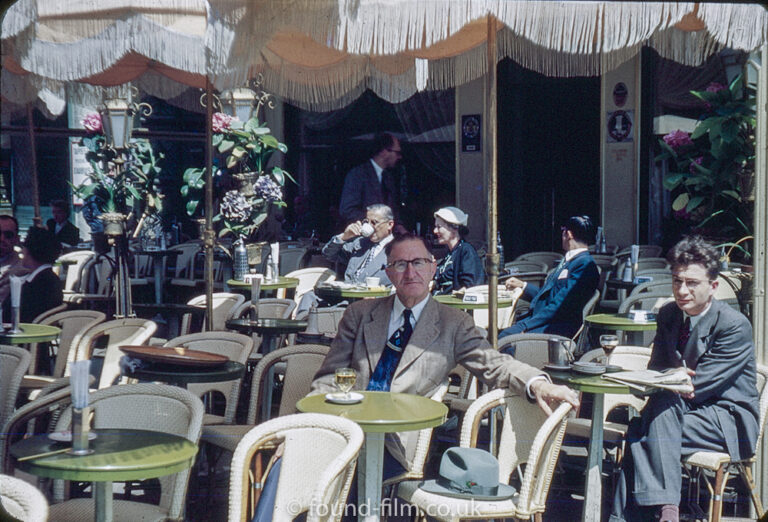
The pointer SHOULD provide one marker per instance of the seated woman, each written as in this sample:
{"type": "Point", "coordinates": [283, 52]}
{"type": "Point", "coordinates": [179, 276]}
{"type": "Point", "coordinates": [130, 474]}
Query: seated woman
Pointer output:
{"type": "Point", "coordinates": [42, 288]}
{"type": "Point", "coordinates": [462, 267]}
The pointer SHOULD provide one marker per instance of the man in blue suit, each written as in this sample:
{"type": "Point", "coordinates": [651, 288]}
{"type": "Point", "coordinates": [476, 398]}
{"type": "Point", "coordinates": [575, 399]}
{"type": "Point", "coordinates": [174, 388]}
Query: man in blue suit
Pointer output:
{"type": "Point", "coordinates": [556, 308]}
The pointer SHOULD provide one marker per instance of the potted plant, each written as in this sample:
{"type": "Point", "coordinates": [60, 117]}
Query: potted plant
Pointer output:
{"type": "Point", "coordinates": [711, 170]}
{"type": "Point", "coordinates": [246, 148]}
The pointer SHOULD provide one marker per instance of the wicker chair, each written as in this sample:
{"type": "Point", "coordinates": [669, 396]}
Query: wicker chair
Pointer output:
{"type": "Point", "coordinates": [14, 362]}
{"type": "Point", "coordinates": [527, 436]}
{"type": "Point", "coordinates": [21, 500]}
{"type": "Point", "coordinates": [74, 261]}
{"type": "Point", "coordinates": [316, 470]}
{"type": "Point", "coordinates": [722, 467]}
{"type": "Point", "coordinates": [155, 407]}
{"type": "Point", "coordinates": [525, 266]}
{"type": "Point", "coordinates": [551, 259]}
{"type": "Point", "coordinates": [270, 307]}
{"type": "Point", "coordinates": [308, 278]}
{"type": "Point", "coordinates": [644, 251]}
{"type": "Point", "coordinates": [224, 303]}
{"type": "Point", "coordinates": [236, 347]}
{"type": "Point", "coordinates": [532, 348]}
{"type": "Point", "coordinates": [120, 332]}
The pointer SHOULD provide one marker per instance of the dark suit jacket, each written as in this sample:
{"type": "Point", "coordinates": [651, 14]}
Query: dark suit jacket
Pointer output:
{"type": "Point", "coordinates": [462, 267]}
{"type": "Point", "coordinates": [68, 234]}
{"type": "Point", "coordinates": [442, 339]}
{"type": "Point", "coordinates": [37, 296]}
{"type": "Point", "coordinates": [721, 351]}
{"type": "Point", "coordinates": [556, 308]}
{"type": "Point", "coordinates": [362, 189]}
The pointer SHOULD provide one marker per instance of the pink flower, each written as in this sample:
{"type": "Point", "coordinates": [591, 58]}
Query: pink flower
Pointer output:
{"type": "Point", "coordinates": [677, 139]}
{"type": "Point", "coordinates": [92, 122]}
{"type": "Point", "coordinates": [696, 161]}
{"type": "Point", "coordinates": [221, 122]}
{"type": "Point", "coordinates": [715, 87]}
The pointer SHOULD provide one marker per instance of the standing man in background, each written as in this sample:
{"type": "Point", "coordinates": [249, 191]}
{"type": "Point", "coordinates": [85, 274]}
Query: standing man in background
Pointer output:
{"type": "Point", "coordinates": [372, 182]}
{"type": "Point", "coordinates": [65, 232]}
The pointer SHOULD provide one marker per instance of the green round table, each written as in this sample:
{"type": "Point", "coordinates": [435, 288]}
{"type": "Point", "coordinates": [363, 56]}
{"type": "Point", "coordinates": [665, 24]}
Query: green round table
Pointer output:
{"type": "Point", "coordinates": [377, 414]}
{"type": "Point", "coordinates": [31, 333]}
{"type": "Point", "coordinates": [334, 294]}
{"type": "Point", "coordinates": [620, 322]}
{"type": "Point", "coordinates": [118, 455]}
{"type": "Point", "coordinates": [266, 286]}
{"type": "Point", "coordinates": [598, 387]}
{"type": "Point", "coordinates": [455, 302]}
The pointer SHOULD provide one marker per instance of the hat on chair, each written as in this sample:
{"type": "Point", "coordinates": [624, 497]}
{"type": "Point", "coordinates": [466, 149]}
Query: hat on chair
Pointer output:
{"type": "Point", "coordinates": [469, 473]}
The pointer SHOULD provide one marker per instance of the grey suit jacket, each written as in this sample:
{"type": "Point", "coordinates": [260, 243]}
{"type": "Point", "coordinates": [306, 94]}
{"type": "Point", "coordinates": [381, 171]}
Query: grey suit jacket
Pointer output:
{"type": "Point", "coordinates": [442, 338]}
{"type": "Point", "coordinates": [721, 351]}
{"type": "Point", "coordinates": [353, 253]}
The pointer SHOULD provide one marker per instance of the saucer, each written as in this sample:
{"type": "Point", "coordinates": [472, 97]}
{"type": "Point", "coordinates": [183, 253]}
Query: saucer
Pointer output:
{"type": "Point", "coordinates": [66, 436]}
{"type": "Point", "coordinates": [589, 368]}
{"type": "Point", "coordinates": [340, 398]}
{"type": "Point", "coordinates": [557, 367]}
{"type": "Point", "coordinates": [613, 368]}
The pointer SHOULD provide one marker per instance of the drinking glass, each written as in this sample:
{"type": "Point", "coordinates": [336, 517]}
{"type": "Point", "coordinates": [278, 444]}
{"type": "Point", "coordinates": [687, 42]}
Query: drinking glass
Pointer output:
{"type": "Point", "coordinates": [608, 342]}
{"type": "Point", "coordinates": [345, 380]}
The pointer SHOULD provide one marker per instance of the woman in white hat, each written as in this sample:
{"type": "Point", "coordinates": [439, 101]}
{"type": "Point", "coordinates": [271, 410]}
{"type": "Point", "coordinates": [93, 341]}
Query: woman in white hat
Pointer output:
{"type": "Point", "coordinates": [462, 267]}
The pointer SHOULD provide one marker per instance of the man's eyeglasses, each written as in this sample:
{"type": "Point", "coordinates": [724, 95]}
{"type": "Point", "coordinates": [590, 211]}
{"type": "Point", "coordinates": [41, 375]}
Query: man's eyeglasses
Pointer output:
{"type": "Point", "coordinates": [373, 222]}
{"type": "Point", "coordinates": [8, 234]}
{"type": "Point", "coordinates": [691, 284]}
{"type": "Point", "coordinates": [401, 264]}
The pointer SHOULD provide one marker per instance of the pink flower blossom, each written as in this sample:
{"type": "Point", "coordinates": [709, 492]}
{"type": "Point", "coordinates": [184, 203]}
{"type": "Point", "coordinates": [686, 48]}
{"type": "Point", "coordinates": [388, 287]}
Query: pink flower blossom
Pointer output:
{"type": "Point", "coordinates": [677, 139]}
{"type": "Point", "coordinates": [715, 87]}
{"type": "Point", "coordinates": [221, 122]}
{"type": "Point", "coordinates": [92, 122]}
{"type": "Point", "coordinates": [696, 161]}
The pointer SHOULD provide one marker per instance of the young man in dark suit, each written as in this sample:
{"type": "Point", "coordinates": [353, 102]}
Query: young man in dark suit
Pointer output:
{"type": "Point", "coordinates": [714, 342]}
{"type": "Point", "coordinates": [62, 228]}
{"type": "Point", "coordinates": [556, 308]}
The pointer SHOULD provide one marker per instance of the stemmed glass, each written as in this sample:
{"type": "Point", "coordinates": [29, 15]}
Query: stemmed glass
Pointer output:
{"type": "Point", "coordinates": [608, 342]}
{"type": "Point", "coordinates": [344, 379]}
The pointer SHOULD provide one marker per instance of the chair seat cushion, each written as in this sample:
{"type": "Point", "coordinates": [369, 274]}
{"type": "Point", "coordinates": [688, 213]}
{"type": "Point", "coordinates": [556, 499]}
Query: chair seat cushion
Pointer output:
{"type": "Point", "coordinates": [211, 419]}
{"type": "Point", "coordinates": [613, 432]}
{"type": "Point", "coordinates": [225, 436]}
{"type": "Point", "coordinates": [707, 459]}
{"type": "Point", "coordinates": [447, 508]}
{"type": "Point", "coordinates": [80, 509]}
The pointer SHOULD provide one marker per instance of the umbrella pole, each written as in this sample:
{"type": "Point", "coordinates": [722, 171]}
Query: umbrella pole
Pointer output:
{"type": "Point", "coordinates": [208, 235]}
{"type": "Point", "coordinates": [492, 257]}
{"type": "Point", "coordinates": [37, 220]}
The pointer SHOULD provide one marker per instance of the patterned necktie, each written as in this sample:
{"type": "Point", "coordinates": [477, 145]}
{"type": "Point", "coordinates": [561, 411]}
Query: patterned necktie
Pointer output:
{"type": "Point", "coordinates": [684, 335]}
{"type": "Point", "coordinates": [368, 257]}
{"type": "Point", "coordinates": [390, 358]}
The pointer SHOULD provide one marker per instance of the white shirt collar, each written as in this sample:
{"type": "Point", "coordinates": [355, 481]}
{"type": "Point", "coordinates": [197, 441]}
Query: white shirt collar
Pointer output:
{"type": "Point", "coordinates": [396, 318]}
{"type": "Point", "coordinates": [573, 253]}
{"type": "Point", "coordinates": [696, 318]}
{"type": "Point", "coordinates": [36, 271]}
{"type": "Point", "coordinates": [377, 168]}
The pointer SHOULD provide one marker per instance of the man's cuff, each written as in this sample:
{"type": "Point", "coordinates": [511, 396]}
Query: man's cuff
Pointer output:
{"type": "Point", "coordinates": [337, 239]}
{"type": "Point", "coordinates": [525, 283]}
{"type": "Point", "coordinates": [528, 391]}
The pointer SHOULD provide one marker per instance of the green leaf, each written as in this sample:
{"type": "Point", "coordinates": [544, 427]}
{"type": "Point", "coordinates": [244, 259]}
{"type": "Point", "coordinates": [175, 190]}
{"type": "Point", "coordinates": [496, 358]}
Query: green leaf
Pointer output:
{"type": "Point", "coordinates": [217, 139]}
{"type": "Point", "coordinates": [225, 145]}
{"type": "Point", "coordinates": [269, 141]}
{"type": "Point", "coordinates": [282, 147]}
{"type": "Point", "coordinates": [231, 162]}
{"type": "Point", "coordinates": [191, 207]}
{"type": "Point", "coordinates": [730, 129]}
{"type": "Point", "coordinates": [277, 174]}
{"type": "Point", "coordinates": [694, 202]}
{"type": "Point", "coordinates": [238, 152]}
{"type": "Point", "coordinates": [184, 190]}
{"type": "Point", "coordinates": [732, 193]}
{"type": "Point", "coordinates": [680, 202]}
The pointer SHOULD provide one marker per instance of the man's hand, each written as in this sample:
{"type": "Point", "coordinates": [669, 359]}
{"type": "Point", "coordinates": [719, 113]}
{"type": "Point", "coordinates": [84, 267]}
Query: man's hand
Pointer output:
{"type": "Point", "coordinates": [352, 230]}
{"type": "Point", "coordinates": [513, 283]}
{"type": "Point", "coordinates": [690, 395]}
{"type": "Point", "coordinates": [547, 394]}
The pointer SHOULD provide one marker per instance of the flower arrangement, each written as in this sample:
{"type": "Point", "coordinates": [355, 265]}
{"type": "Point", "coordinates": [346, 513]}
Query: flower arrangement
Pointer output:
{"type": "Point", "coordinates": [119, 183]}
{"type": "Point", "coordinates": [246, 148]}
{"type": "Point", "coordinates": [711, 170]}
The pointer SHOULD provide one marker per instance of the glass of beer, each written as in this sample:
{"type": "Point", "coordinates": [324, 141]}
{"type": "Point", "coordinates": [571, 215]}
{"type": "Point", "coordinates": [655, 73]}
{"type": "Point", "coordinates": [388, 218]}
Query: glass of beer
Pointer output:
{"type": "Point", "coordinates": [608, 342]}
{"type": "Point", "coordinates": [345, 380]}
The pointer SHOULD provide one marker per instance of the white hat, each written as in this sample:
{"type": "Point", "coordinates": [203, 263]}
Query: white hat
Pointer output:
{"type": "Point", "coordinates": [452, 215]}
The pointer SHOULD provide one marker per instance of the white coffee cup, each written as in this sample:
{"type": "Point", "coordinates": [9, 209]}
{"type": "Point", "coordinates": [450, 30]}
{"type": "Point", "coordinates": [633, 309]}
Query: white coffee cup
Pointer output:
{"type": "Point", "coordinates": [370, 282]}
{"type": "Point", "coordinates": [366, 230]}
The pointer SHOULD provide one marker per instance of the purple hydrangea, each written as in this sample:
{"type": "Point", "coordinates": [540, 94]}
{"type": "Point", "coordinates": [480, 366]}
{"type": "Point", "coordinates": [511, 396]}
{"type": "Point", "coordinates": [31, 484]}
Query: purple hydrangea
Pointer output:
{"type": "Point", "coordinates": [235, 207]}
{"type": "Point", "coordinates": [696, 161]}
{"type": "Point", "coordinates": [715, 87]}
{"type": "Point", "coordinates": [268, 189]}
{"type": "Point", "coordinates": [677, 139]}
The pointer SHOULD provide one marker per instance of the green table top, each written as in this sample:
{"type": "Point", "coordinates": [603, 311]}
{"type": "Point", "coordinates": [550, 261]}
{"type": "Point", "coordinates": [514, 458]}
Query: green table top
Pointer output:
{"type": "Point", "coordinates": [330, 292]}
{"type": "Point", "coordinates": [382, 412]}
{"type": "Point", "coordinates": [183, 375]}
{"type": "Point", "coordinates": [282, 282]}
{"type": "Point", "coordinates": [30, 333]}
{"type": "Point", "coordinates": [455, 302]}
{"type": "Point", "coordinates": [618, 322]}
{"type": "Point", "coordinates": [587, 383]}
{"type": "Point", "coordinates": [118, 455]}
{"type": "Point", "coordinates": [267, 326]}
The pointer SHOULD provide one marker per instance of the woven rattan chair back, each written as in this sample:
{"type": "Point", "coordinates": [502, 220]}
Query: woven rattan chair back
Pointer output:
{"type": "Point", "coordinates": [14, 363]}
{"type": "Point", "coordinates": [22, 501]}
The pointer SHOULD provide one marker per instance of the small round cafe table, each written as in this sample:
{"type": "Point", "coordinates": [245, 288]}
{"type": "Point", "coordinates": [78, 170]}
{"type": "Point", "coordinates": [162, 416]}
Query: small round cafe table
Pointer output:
{"type": "Point", "coordinates": [377, 414]}
{"type": "Point", "coordinates": [598, 387]}
{"type": "Point", "coordinates": [621, 322]}
{"type": "Point", "coordinates": [266, 286]}
{"type": "Point", "coordinates": [157, 257]}
{"type": "Point", "coordinates": [334, 294]}
{"type": "Point", "coordinates": [30, 333]}
{"type": "Point", "coordinates": [182, 375]}
{"type": "Point", "coordinates": [119, 454]}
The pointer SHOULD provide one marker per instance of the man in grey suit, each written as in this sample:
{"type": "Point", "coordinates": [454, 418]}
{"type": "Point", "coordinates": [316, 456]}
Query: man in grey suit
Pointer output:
{"type": "Point", "coordinates": [409, 343]}
{"type": "Point", "coordinates": [372, 182]}
{"type": "Point", "coordinates": [714, 342]}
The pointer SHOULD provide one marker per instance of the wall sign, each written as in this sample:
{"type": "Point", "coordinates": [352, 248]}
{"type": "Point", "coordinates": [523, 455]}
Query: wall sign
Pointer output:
{"type": "Point", "coordinates": [620, 126]}
{"type": "Point", "coordinates": [471, 133]}
{"type": "Point", "coordinates": [620, 93]}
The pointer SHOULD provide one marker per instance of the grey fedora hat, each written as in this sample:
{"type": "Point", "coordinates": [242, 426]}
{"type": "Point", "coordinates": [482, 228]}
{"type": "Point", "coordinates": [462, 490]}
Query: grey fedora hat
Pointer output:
{"type": "Point", "coordinates": [469, 473]}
